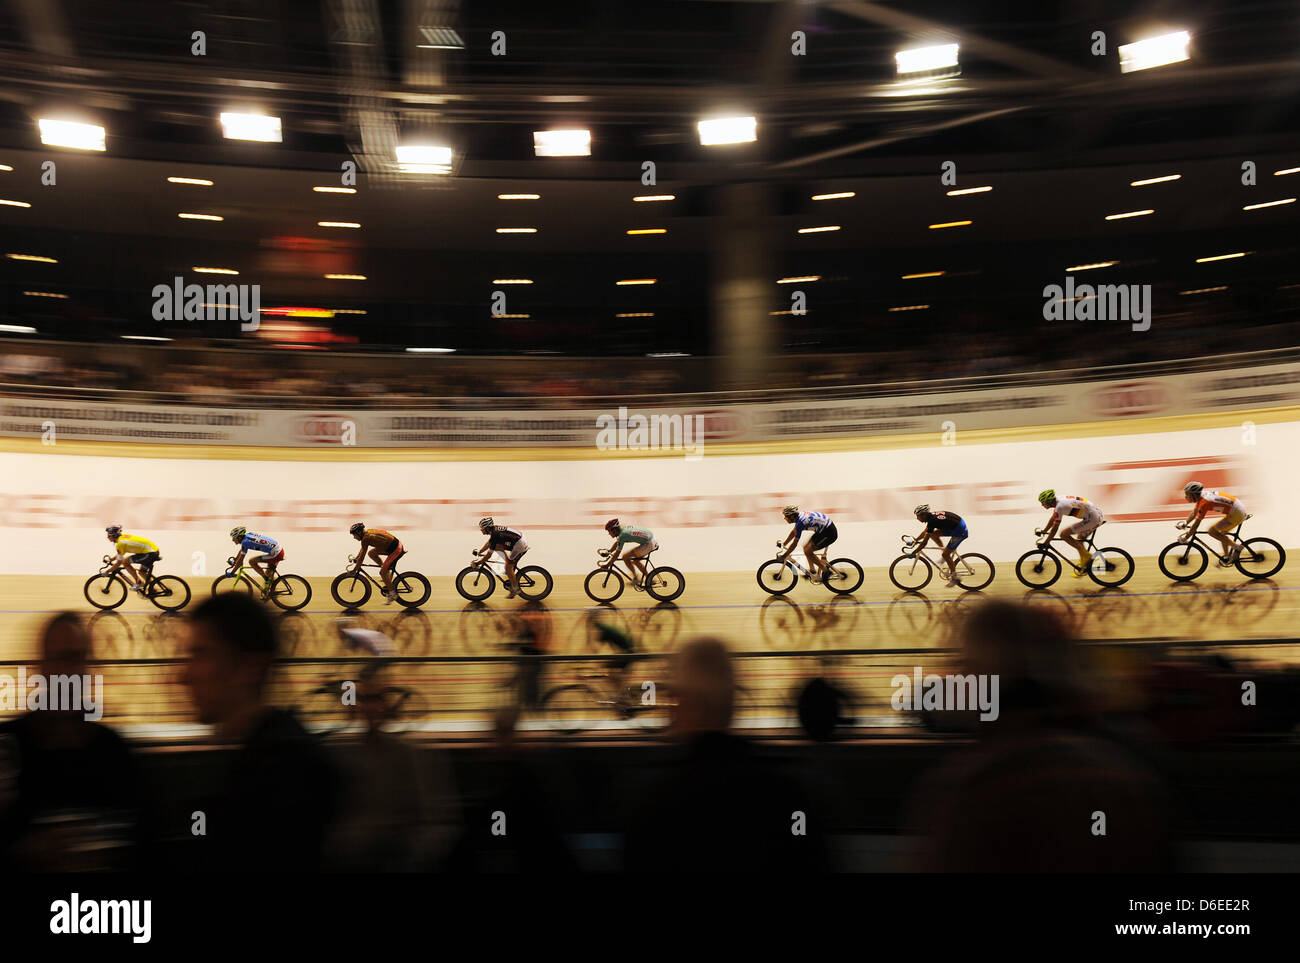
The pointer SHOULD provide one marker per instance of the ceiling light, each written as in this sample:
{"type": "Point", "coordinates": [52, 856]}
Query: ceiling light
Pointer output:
{"type": "Point", "coordinates": [40, 258]}
{"type": "Point", "coordinates": [440, 38]}
{"type": "Point", "coordinates": [655, 197]}
{"type": "Point", "coordinates": [18, 328]}
{"type": "Point", "coordinates": [809, 278]}
{"type": "Point", "coordinates": [562, 143]}
{"type": "Point", "coordinates": [13, 203]}
{"type": "Point", "coordinates": [345, 277]}
{"type": "Point", "coordinates": [519, 197]}
{"type": "Point", "coordinates": [1094, 265]}
{"type": "Point", "coordinates": [512, 281]}
{"type": "Point", "coordinates": [924, 274]}
{"type": "Point", "coordinates": [432, 350]}
{"type": "Point", "coordinates": [637, 281]}
{"type": "Point", "coordinates": [818, 230]}
{"type": "Point", "coordinates": [1120, 217]}
{"type": "Point", "coordinates": [910, 307]}
{"type": "Point", "coordinates": [335, 190]}
{"type": "Point", "coordinates": [918, 60]}
{"type": "Point", "coordinates": [352, 224]}
{"type": "Point", "coordinates": [1155, 180]}
{"type": "Point", "coordinates": [727, 130]}
{"type": "Point", "coordinates": [258, 127]}
{"type": "Point", "coordinates": [68, 133]}
{"type": "Point", "coordinates": [936, 227]}
{"type": "Point", "coordinates": [516, 230]}
{"type": "Point", "coordinates": [970, 190]}
{"type": "Point", "coordinates": [212, 270]}
{"type": "Point", "coordinates": [1221, 287]}
{"type": "Point", "coordinates": [834, 197]}
{"type": "Point", "coordinates": [424, 159]}
{"type": "Point", "coordinates": [1168, 48]}
{"type": "Point", "coordinates": [1256, 207]}
{"type": "Point", "coordinates": [648, 230]}
{"type": "Point", "coordinates": [201, 217]}
{"type": "Point", "coordinates": [1220, 257]}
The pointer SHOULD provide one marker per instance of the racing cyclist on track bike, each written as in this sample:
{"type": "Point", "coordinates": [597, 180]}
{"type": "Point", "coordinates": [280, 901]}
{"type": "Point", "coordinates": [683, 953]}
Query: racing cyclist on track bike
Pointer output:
{"type": "Point", "coordinates": [509, 543]}
{"type": "Point", "coordinates": [1089, 516]}
{"type": "Point", "coordinates": [824, 535]}
{"type": "Point", "coordinates": [938, 526]}
{"type": "Point", "coordinates": [642, 541]}
{"type": "Point", "coordinates": [1207, 500]}
{"type": "Point", "coordinates": [133, 549]}
{"type": "Point", "coordinates": [385, 548]}
{"type": "Point", "coordinates": [272, 552]}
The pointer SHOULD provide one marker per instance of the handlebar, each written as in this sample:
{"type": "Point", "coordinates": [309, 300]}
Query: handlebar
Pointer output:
{"type": "Point", "coordinates": [1181, 525]}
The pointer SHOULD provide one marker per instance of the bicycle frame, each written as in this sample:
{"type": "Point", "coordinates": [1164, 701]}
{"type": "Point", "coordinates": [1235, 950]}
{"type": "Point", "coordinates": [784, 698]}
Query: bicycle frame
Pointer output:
{"type": "Point", "coordinates": [1209, 547]}
{"type": "Point", "coordinates": [625, 570]}
{"type": "Point", "coordinates": [797, 565]}
{"type": "Point", "coordinates": [1088, 543]}
{"type": "Point", "coordinates": [915, 549]}
{"type": "Point", "coordinates": [249, 575]}
{"type": "Point", "coordinates": [493, 566]}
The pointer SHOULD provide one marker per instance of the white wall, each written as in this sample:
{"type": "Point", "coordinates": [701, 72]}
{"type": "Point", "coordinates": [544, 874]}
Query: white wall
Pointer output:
{"type": "Point", "coordinates": [716, 514]}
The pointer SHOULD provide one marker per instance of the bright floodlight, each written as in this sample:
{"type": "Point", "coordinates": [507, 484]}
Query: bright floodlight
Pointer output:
{"type": "Point", "coordinates": [728, 130]}
{"type": "Point", "coordinates": [424, 159]}
{"type": "Point", "coordinates": [562, 143]}
{"type": "Point", "coordinates": [259, 127]}
{"type": "Point", "coordinates": [920, 60]}
{"type": "Point", "coordinates": [69, 133]}
{"type": "Point", "coordinates": [1168, 48]}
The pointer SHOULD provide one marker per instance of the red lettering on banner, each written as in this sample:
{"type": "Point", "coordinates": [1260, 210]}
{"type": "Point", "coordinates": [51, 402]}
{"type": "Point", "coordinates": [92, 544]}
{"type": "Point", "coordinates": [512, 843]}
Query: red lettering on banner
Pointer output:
{"type": "Point", "coordinates": [1157, 495]}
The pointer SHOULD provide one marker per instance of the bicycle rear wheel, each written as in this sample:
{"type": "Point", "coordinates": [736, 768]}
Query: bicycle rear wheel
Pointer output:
{"type": "Point", "coordinates": [1261, 558]}
{"type": "Point", "coordinates": [974, 571]}
{"type": "Point", "coordinates": [105, 591]}
{"type": "Point", "coordinates": [843, 576]}
{"type": "Point", "coordinates": [776, 577]}
{"type": "Point", "coordinates": [535, 583]}
{"type": "Point", "coordinates": [169, 592]}
{"type": "Point", "coordinates": [350, 590]}
{"type": "Point", "coordinates": [291, 592]}
{"type": "Point", "coordinates": [665, 583]}
{"type": "Point", "coordinates": [567, 709]}
{"type": "Point", "coordinates": [412, 589]}
{"type": "Point", "coordinates": [475, 583]}
{"type": "Point", "coordinates": [1111, 567]}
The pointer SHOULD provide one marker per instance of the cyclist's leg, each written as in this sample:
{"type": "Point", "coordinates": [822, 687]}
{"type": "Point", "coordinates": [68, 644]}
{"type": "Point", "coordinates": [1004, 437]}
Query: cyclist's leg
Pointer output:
{"type": "Point", "coordinates": [950, 552]}
{"type": "Point", "coordinates": [634, 563]}
{"type": "Point", "coordinates": [1222, 530]}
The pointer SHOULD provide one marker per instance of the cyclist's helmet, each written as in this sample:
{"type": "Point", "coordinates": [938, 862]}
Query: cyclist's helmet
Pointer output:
{"type": "Point", "coordinates": [113, 531]}
{"type": "Point", "coordinates": [358, 529]}
{"type": "Point", "coordinates": [1193, 490]}
{"type": "Point", "coordinates": [790, 512]}
{"type": "Point", "coordinates": [1047, 495]}
{"type": "Point", "coordinates": [238, 532]}
{"type": "Point", "coordinates": [486, 524]}
{"type": "Point", "coordinates": [613, 527]}
{"type": "Point", "coordinates": [920, 510]}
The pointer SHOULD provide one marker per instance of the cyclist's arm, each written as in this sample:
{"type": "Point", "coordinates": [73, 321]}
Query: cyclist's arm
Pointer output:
{"type": "Point", "coordinates": [484, 550]}
{"type": "Point", "coordinates": [1052, 525]}
{"type": "Point", "coordinates": [239, 559]}
{"type": "Point", "coordinates": [792, 539]}
{"type": "Point", "coordinates": [1194, 521]}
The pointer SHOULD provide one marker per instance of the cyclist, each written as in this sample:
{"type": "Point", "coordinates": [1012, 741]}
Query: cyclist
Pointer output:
{"type": "Point", "coordinates": [385, 548]}
{"type": "Point", "coordinates": [1076, 507]}
{"type": "Point", "coordinates": [1207, 500]}
{"type": "Point", "coordinates": [824, 534]}
{"type": "Point", "coordinates": [938, 526]}
{"type": "Point", "coordinates": [604, 632]}
{"type": "Point", "coordinates": [643, 543]}
{"type": "Point", "coordinates": [129, 549]}
{"type": "Point", "coordinates": [510, 544]}
{"type": "Point", "coordinates": [272, 552]}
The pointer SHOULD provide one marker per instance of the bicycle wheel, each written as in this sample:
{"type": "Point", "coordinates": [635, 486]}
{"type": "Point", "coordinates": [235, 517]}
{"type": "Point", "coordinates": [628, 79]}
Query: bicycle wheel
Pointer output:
{"type": "Point", "coordinates": [776, 577]}
{"type": "Point", "coordinates": [1261, 558]}
{"type": "Point", "coordinates": [105, 591]}
{"type": "Point", "coordinates": [1038, 568]}
{"type": "Point", "coordinates": [568, 709]}
{"type": "Point", "coordinates": [1111, 567]}
{"type": "Point", "coordinates": [975, 571]}
{"type": "Point", "coordinates": [535, 583]}
{"type": "Point", "coordinates": [475, 583]}
{"type": "Point", "coordinates": [350, 590]}
{"type": "Point", "coordinates": [911, 573]}
{"type": "Point", "coordinates": [412, 589]}
{"type": "Point", "coordinates": [291, 592]}
{"type": "Point", "coordinates": [665, 583]}
{"type": "Point", "coordinates": [843, 576]}
{"type": "Point", "coordinates": [231, 583]}
{"type": "Point", "coordinates": [603, 585]}
{"type": "Point", "coordinates": [1183, 561]}
{"type": "Point", "coordinates": [169, 592]}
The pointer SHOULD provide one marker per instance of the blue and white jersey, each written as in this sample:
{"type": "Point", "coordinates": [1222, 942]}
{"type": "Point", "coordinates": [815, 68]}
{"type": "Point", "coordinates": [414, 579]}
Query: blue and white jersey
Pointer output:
{"type": "Point", "coordinates": [259, 543]}
{"type": "Point", "coordinates": [811, 522]}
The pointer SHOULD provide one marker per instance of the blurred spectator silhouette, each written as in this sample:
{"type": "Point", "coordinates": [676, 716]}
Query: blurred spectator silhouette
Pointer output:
{"type": "Point", "coordinates": [1029, 796]}
{"type": "Point", "coordinates": [280, 788]}
{"type": "Point", "coordinates": [399, 810]}
{"type": "Point", "coordinates": [71, 792]}
{"type": "Point", "coordinates": [720, 806]}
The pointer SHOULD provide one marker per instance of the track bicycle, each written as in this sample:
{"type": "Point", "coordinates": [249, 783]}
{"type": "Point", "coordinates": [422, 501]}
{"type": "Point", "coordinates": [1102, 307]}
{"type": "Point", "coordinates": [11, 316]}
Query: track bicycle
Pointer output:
{"type": "Point", "coordinates": [605, 582]}
{"type": "Point", "coordinates": [478, 580]}
{"type": "Point", "coordinates": [913, 570]}
{"type": "Point", "coordinates": [289, 592]}
{"type": "Point", "coordinates": [109, 588]}
{"type": "Point", "coordinates": [353, 588]}
{"type": "Point", "coordinates": [779, 575]}
{"type": "Point", "coordinates": [1183, 561]}
{"type": "Point", "coordinates": [1041, 566]}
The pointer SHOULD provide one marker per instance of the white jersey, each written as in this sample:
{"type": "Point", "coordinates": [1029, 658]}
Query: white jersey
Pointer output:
{"type": "Point", "coordinates": [1075, 506]}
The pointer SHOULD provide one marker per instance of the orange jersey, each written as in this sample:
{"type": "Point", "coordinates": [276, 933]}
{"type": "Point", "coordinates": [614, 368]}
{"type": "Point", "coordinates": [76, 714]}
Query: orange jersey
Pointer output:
{"type": "Point", "coordinates": [380, 539]}
{"type": "Point", "coordinates": [1212, 501]}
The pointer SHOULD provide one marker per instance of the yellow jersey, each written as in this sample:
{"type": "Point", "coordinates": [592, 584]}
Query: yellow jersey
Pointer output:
{"type": "Point", "coordinates": [134, 545]}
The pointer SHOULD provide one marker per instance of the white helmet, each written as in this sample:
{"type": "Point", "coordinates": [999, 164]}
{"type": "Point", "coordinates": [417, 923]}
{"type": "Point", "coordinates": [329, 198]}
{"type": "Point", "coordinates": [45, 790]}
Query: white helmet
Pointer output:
{"type": "Point", "coordinates": [486, 524]}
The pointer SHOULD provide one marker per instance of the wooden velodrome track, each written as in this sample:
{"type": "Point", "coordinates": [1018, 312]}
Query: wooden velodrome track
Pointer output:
{"type": "Point", "coordinates": [455, 657]}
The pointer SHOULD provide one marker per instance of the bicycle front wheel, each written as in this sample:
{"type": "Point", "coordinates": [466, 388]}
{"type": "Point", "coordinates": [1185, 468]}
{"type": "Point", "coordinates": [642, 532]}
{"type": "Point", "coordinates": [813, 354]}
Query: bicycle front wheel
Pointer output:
{"type": "Point", "coordinates": [911, 573]}
{"type": "Point", "coordinates": [776, 577]}
{"type": "Point", "coordinates": [1111, 567]}
{"type": "Point", "coordinates": [843, 576]}
{"type": "Point", "coordinates": [475, 584]}
{"type": "Point", "coordinates": [603, 585]}
{"type": "Point", "coordinates": [974, 571]}
{"type": "Point", "coordinates": [169, 592]}
{"type": "Point", "coordinates": [350, 590]}
{"type": "Point", "coordinates": [412, 589]}
{"type": "Point", "coordinates": [535, 583]}
{"type": "Point", "coordinates": [665, 583]}
{"type": "Point", "coordinates": [291, 592]}
{"type": "Point", "coordinates": [1183, 561]}
{"type": "Point", "coordinates": [231, 583]}
{"type": "Point", "coordinates": [105, 591]}
{"type": "Point", "coordinates": [1261, 558]}
{"type": "Point", "coordinates": [1038, 569]}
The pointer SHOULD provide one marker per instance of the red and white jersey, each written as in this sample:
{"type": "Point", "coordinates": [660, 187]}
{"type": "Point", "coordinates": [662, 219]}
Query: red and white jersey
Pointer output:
{"type": "Point", "coordinates": [1212, 501]}
{"type": "Point", "coordinates": [1073, 505]}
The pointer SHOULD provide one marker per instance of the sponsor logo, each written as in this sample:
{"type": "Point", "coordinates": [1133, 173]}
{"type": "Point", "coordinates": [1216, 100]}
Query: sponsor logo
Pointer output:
{"type": "Point", "coordinates": [1130, 400]}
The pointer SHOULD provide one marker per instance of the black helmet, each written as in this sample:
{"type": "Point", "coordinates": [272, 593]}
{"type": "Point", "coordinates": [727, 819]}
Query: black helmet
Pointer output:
{"type": "Point", "coordinates": [114, 530]}
{"type": "Point", "coordinates": [613, 527]}
{"type": "Point", "coordinates": [357, 529]}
